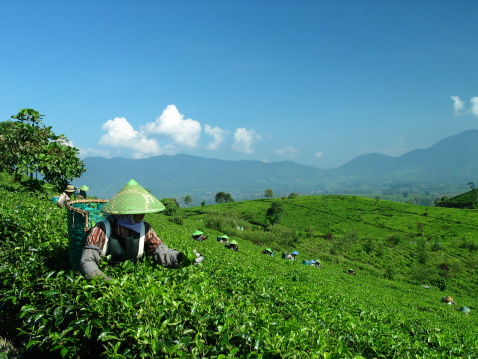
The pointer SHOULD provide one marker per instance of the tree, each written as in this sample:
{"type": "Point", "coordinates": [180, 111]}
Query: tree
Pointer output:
{"type": "Point", "coordinates": [171, 206]}
{"type": "Point", "coordinates": [27, 146]}
{"type": "Point", "coordinates": [474, 192]}
{"type": "Point", "coordinates": [275, 213]}
{"type": "Point", "coordinates": [268, 193]}
{"type": "Point", "coordinates": [222, 197]}
{"type": "Point", "coordinates": [188, 200]}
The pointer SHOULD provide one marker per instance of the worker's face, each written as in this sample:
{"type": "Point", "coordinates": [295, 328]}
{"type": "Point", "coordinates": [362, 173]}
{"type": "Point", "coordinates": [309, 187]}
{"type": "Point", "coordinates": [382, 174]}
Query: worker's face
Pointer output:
{"type": "Point", "coordinates": [138, 217]}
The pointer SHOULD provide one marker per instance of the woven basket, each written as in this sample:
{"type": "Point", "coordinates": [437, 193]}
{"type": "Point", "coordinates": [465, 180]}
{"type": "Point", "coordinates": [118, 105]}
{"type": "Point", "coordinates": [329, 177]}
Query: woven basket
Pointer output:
{"type": "Point", "coordinates": [82, 215]}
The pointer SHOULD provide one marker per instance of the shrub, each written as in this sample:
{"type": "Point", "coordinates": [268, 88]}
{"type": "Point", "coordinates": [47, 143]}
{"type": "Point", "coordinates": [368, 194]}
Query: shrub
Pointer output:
{"type": "Point", "coordinates": [176, 220]}
{"type": "Point", "coordinates": [394, 240]}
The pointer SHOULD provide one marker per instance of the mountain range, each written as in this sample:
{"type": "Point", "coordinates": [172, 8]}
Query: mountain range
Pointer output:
{"type": "Point", "coordinates": [451, 160]}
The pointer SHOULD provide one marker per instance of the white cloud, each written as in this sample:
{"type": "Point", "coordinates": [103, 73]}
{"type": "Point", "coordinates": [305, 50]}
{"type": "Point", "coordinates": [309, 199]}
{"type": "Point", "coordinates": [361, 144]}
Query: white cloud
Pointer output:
{"type": "Point", "coordinates": [460, 108]}
{"type": "Point", "coordinates": [244, 139]}
{"type": "Point", "coordinates": [458, 104]}
{"type": "Point", "coordinates": [121, 134]}
{"type": "Point", "coordinates": [218, 134]}
{"type": "Point", "coordinates": [185, 132]}
{"type": "Point", "coordinates": [319, 154]}
{"type": "Point", "coordinates": [474, 106]}
{"type": "Point", "coordinates": [93, 152]}
{"type": "Point", "coordinates": [287, 152]}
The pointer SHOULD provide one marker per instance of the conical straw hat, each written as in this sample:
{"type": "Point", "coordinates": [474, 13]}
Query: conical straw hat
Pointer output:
{"type": "Point", "coordinates": [197, 233]}
{"type": "Point", "coordinates": [233, 242]}
{"type": "Point", "coordinates": [84, 188]}
{"type": "Point", "coordinates": [132, 199]}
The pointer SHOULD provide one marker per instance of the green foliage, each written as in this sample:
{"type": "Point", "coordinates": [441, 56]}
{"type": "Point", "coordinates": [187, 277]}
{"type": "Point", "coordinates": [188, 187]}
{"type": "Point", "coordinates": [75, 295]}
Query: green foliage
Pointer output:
{"type": "Point", "coordinates": [464, 200]}
{"type": "Point", "coordinates": [28, 147]}
{"type": "Point", "coordinates": [268, 193]}
{"type": "Point", "coordinates": [222, 197]}
{"type": "Point", "coordinates": [292, 195]}
{"type": "Point", "coordinates": [176, 220]}
{"type": "Point", "coordinates": [242, 304]}
{"type": "Point", "coordinates": [171, 206]}
{"type": "Point", "coordinates": [188, 200]}
{"type": "Point", "coordinates": [275, 212]}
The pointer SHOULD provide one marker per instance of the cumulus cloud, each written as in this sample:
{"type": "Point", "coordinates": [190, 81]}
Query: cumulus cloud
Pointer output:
{"type": "Point", "coordinates": [244, 139]}
{"type": "Point", "coordinates": [319, 154]}
{"type": "Point", "coordinates": [287, 152]}
{"type": "Point", "coordinates": [218, 136]}
{"type": "Point", "coordinates": [458, 104]}
{"type": "Point", "coordinates": [120, 133]}
{"type": "Point", "coordinates": [185, 132]}
{"type": "Point", "coordinates": [474, 106]}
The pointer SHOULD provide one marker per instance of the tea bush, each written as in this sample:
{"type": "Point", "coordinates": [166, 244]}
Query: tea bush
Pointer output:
{"type": "Point", "coordinates": [239, 304]}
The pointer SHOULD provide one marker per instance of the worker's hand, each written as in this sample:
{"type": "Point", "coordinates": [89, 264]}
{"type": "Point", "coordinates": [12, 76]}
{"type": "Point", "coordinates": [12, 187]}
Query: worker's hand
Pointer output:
{"type": "Point", "coordinates": [199, 258]}
{"type": "Point", "coordinates": [100, 274]}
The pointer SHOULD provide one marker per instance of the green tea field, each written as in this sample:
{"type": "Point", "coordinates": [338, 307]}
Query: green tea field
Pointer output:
{"type": "Point", "coordinates": [247, 304]}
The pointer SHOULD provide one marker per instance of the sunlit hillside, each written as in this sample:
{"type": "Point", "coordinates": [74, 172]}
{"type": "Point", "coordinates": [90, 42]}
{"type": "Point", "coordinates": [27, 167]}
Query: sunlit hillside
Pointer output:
{"type": "Point", "coordinates": [246, 304]}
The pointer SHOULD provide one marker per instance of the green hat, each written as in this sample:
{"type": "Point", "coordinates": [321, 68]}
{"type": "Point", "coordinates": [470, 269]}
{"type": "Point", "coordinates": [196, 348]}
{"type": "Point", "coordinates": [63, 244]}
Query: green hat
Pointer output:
{"type": "Point", "coordinates": [233, 242]}
{"type": "Point", "coordinates": [197, 233]}
{"type": "Point", "coordinates": [84, 188]}
{"type": "Point", "coordinates": [132, 199]}
{"type": "Point", "coordinates": [224, 236]}
{"type": "Point", "coordinates": [270, 250]}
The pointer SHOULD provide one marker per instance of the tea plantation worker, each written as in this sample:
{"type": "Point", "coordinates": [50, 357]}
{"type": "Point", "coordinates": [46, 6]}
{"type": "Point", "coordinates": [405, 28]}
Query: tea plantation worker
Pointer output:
{"type": "Point", "coordinates": [465, 310]}
{"type": "Point", "coordinates": [83, 190]}
{"type": "Point", "coordinates": [223, 239]}
{"type": "Point", "coordinates": [198, 236]}
{"type": "Point", "coordinates": [268, 251]}
{"type": "Point", "coordinates": [448, 300]}
{"type": "Point", "coordinates": [350, 271]}
{"type": "Point", "coordinates": [66, 196]}
{"type": "Point", "coordinates": [315, 263]}
{"type": "Point", "coordinates": [292, 256]}
{"type": "Point", "coordinates": [125, 236]}
{"type": "Point", "coordinates": [233, 245]}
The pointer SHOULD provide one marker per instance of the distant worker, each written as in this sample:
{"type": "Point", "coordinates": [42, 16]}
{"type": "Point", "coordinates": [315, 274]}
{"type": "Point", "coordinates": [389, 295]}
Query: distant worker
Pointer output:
{"type": "Point", "coordinates": [315, 263]}
{"type": "Point", "coordinates": [292, 256]}
{"type": "Point", "coordinates": [350, 271]}
{"type": "Point", "coordinates": [223, 239]}
{"type": "Point", "coordinates": [233, 245]}
{"type": "Point", "coordinates": [66, 196]}
{"type": "Point", "coordinates": [198, 236]}
{"type": "Point", "coordinates": [465, 310]}
{"type": "Point", "coordinates": [448, 300]}
{"type": "Point", "coordinates": [83, 190]}
{"type": "Point", "coordinates": [268, 251]}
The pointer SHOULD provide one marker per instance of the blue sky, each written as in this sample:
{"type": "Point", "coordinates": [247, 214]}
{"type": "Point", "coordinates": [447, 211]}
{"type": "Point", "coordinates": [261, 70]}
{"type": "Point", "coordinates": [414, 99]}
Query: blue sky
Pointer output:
{"type": "Point", "coordinates": [314, 82]}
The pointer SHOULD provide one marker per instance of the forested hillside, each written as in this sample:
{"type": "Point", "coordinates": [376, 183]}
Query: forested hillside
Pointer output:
{"type": "Point", "coordinates": [426, 172]}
